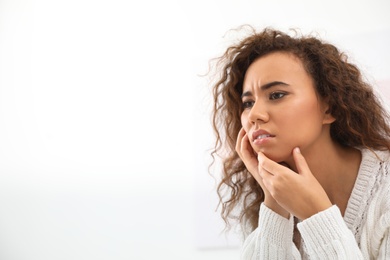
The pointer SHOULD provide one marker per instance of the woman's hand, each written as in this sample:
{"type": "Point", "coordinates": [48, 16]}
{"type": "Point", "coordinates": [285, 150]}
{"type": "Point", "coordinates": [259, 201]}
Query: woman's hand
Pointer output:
{"type": "Point", "coordinates": [299, 193]}
{"type": "Point", "coordinates": [250, 159]}
{"type": "Point", "coordinates": [248, 155]}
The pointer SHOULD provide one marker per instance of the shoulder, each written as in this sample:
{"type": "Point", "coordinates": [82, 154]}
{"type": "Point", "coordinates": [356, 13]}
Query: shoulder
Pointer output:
{"type": "Point", "coordinates": [377, 164]}
{"type": "Point", "coordinates": [374, 176]}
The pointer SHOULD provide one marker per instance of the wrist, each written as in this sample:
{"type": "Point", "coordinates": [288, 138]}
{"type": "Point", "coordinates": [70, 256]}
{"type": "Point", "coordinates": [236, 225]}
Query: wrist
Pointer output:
{"type": "Point", "coordinates": [275, 207]}
{"type": "Point", "coordinates": [319, 208]}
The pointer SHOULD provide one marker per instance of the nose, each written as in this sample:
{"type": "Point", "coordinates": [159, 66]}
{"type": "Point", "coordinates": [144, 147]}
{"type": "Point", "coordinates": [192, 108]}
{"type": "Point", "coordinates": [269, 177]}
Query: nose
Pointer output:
{"type": "Point", "coordinates": [258, 113]}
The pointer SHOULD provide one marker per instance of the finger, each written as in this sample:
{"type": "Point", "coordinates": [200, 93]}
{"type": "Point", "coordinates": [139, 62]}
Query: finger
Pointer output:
{"type": "Point", "coordinates": [266, 179]}
{"type": "Point", "coordinates": [240, 136]}
{"type": "Point", "coordinates": [246, 147]}
{"type": "Point", "coordinates": [268, 165]}
{"type": "Point", "coordinates": [300, 161]}
{"type": "Point", "coordinates": [247, 152]}
{"type": "Point", "coordinates": [264, 174]}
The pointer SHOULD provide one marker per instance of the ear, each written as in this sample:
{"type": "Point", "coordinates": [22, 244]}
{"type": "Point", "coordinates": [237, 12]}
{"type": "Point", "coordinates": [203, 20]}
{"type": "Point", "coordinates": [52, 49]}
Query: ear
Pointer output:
{"type": "Point", "coordinates": [328, 117]}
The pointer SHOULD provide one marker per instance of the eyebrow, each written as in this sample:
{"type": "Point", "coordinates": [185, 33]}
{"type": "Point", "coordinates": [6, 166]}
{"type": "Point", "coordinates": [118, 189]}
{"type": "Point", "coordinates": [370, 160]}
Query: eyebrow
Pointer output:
{"type": "Point", "coordinates": [265, 87]}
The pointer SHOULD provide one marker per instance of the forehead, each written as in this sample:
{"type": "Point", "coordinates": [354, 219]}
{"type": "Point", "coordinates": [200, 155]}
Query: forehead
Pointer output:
{"type": "Point", "coordinates": [279, 66]}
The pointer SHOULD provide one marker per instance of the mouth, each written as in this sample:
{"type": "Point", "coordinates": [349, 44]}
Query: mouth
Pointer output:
{"type": "Point", "coordinates": [260, 137]}
{"type": "Point", "coordinates": [263, 136]}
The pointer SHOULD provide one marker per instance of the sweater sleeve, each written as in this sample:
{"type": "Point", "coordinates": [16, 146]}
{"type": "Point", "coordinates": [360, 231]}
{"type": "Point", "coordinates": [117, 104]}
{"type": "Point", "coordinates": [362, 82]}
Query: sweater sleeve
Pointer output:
{"type": "Point", "coordinates": [272, 239]}
{"type": "Point", "coordinates": [326, 236]}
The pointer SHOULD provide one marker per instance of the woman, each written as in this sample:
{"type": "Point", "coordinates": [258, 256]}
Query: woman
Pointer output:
{"type": "Point", "coordinates": [307, 141]}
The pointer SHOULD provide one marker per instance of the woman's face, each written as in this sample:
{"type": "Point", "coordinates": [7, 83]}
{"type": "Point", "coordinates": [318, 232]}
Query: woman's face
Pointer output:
{"type": "Point", "coordinates": [281, 109]}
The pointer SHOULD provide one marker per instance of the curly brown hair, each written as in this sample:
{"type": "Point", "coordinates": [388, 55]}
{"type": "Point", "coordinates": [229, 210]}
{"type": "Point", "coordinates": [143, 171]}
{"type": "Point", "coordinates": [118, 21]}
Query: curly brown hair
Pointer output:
{"type": "Point", "coordinates": [361, 121]}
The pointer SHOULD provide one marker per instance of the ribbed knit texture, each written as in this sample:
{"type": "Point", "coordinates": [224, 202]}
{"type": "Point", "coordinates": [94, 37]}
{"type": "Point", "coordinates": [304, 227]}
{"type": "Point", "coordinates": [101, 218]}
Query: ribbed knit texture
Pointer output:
{"type": "Point", "coordinates": [363, 233]}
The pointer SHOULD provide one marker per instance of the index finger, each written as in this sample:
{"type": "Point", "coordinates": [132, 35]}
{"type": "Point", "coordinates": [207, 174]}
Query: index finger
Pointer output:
{"type": "Point", "coordinates": [240, 135]}
{"type": "Point", "coordinates": [270, 166]}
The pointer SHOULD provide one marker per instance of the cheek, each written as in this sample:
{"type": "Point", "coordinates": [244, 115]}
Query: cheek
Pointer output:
{"type": "Point", "coordinates": [303, 123]}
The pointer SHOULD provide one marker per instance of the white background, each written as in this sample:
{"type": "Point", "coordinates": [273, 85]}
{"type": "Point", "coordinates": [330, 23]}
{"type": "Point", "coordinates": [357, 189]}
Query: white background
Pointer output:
{"type": "Point", "coordinates": [104, 119]}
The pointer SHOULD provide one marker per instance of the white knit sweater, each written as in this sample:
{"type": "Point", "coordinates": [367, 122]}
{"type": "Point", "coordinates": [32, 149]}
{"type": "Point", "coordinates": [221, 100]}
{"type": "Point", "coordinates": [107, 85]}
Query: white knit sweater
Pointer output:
{"type": "Point", "coordinates": [363, 233]}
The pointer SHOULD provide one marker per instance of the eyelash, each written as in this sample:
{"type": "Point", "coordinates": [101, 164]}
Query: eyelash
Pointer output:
{"type": "Point", "coordinates": [247, 104]}
{"type": "Point", "coordinates": [272, 96]}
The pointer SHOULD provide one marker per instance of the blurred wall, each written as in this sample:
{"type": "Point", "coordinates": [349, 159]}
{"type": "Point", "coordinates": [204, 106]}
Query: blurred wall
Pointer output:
{"type": "Point", "coordinates": [104, 119]}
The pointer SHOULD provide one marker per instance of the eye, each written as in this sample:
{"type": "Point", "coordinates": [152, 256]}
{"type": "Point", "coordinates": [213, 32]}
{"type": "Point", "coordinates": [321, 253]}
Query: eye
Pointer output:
{"type": "Point", "coordinates": [276, 95]}
{"type": "Point", "coordinates": [247, 104]}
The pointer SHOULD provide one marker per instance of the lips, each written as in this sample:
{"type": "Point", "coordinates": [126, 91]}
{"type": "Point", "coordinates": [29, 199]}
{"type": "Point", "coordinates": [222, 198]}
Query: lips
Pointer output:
{"type": "Point", "coordinates": [260, 135]}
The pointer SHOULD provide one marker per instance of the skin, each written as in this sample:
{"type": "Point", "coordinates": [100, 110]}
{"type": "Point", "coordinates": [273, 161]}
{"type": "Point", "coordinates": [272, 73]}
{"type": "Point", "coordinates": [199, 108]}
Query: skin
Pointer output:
{"type": "Point", "coordinates": [300, 168]}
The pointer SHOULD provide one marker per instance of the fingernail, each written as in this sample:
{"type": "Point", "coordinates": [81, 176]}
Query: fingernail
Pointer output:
{"type": "Point", "coordinates": [297, 150]}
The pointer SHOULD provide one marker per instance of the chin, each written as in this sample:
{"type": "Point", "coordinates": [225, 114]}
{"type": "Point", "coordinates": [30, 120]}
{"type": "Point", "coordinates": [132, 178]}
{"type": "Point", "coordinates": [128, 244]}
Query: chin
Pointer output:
{"type": "Point", "coordinates": [277, 156]}
{"type": "Point", "coordinates": [277, 159]}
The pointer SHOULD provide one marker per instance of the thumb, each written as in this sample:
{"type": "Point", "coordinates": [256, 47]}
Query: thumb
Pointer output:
{"type": "Point", "coordinates": [300, 162]}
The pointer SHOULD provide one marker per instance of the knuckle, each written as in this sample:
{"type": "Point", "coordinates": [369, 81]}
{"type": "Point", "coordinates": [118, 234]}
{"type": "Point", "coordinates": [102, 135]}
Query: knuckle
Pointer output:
{"type": "Point", "coordinates": [277, 188]}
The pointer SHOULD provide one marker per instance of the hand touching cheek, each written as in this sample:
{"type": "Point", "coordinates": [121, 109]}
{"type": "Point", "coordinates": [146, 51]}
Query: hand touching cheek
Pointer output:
{"type": "Point", "coordinates": [298, 193]}
{"type": "Point", "coordinates": [250, 159]}
{"type": "Point", "coordinates": [246, 153]}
